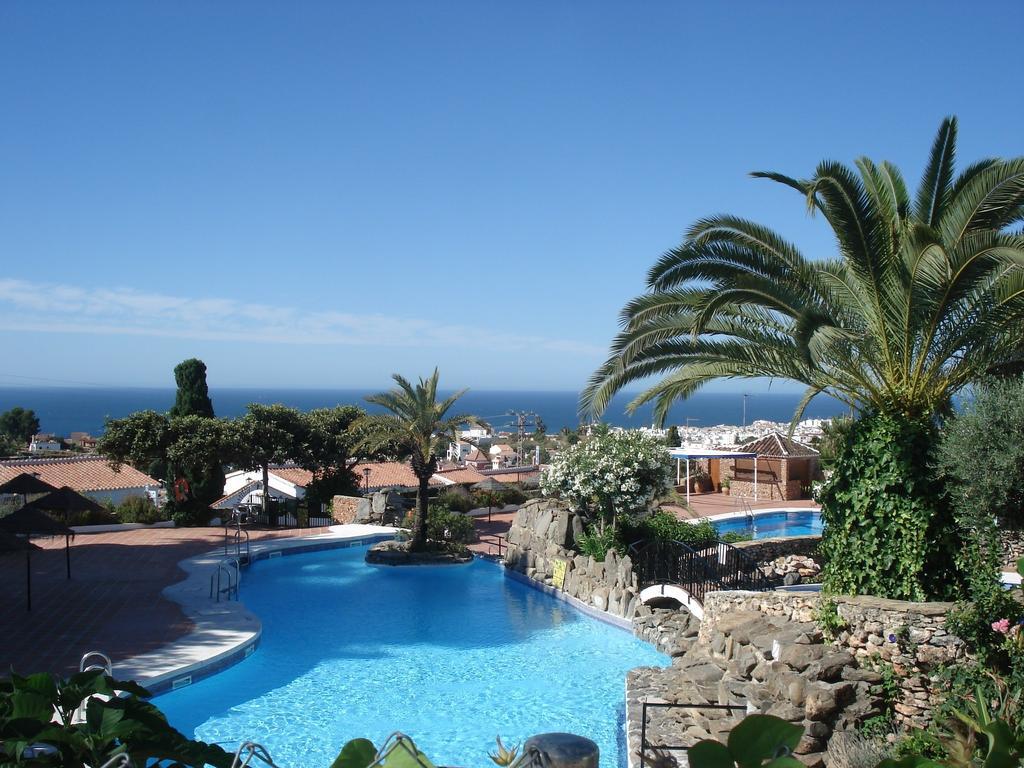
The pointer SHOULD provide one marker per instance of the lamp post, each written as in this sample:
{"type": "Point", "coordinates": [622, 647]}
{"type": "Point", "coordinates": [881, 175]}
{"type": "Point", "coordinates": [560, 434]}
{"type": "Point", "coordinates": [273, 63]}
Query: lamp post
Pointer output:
{"type": "Point", "coordinates": [366, 481]}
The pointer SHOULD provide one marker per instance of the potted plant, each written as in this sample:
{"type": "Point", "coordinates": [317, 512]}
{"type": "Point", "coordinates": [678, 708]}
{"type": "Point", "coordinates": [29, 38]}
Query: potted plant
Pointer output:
{"type": "Point", "coordinates": [726, 483]}
{"type": "Point", "coordinates": [702, 482]}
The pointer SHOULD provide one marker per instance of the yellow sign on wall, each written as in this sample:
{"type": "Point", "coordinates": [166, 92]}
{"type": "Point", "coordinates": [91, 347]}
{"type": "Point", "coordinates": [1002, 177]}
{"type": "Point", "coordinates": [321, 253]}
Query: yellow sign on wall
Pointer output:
{"type": "Point", "coordinates": [558, 573]}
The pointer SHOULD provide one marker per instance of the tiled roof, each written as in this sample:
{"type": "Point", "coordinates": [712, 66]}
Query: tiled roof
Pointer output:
{"type": "Point", "coordinates": [297, 475]}
{"type": "Point", "coordinates": [232, 499]}
{"type": "Point", "coordinates": [460, 476]}
{"type": "Point", "coordinates": [80, 473]}
{"type": "Point", "coordinates": [777, 446]}
{"type": "Point", "coordinates": [515, 477]}
{"type": "Point", "coordinates": [389, 474]}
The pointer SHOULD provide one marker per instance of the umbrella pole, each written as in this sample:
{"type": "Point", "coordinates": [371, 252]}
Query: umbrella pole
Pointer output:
{"type": "Point", "coordinates": [28, 573]}
{"type": "Point", "coordinates": [67, 553]}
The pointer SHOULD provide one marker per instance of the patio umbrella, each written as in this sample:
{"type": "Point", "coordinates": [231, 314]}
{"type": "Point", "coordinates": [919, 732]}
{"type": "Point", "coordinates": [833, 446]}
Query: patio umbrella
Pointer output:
{"type": "Point", "coordinates": [65, 500]}
{"type": "Point", "coordinates": [490, 485]}
{"type": "Point", "coordinates": [25, 484]}
{"type": "Point", "coordinates": [28, 521]}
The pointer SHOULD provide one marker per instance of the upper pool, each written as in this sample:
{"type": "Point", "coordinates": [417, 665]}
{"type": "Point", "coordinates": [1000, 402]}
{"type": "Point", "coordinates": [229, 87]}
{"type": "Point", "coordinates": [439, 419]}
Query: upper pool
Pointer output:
{"type": "Point", "coordinates": [776, 524]}
{"type": "Point", "coordinates": [451, 656]}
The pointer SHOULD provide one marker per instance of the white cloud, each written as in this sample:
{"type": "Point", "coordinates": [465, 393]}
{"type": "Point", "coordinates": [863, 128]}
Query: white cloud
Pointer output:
{"type": "Point", "coordinates": [55, 308]}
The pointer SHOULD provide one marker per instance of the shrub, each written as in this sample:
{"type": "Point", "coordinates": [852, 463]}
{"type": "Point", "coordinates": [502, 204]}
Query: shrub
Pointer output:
{"type": "Point", "coordinates": [454, 500]}
{"type": "Point", "coordinates": [138, 509]}
{"type": "Point", "coordinates": [445, 525]}
{"type": "Point", "coordinates": [512, 496]}
{"type": "Point", "coordinates": [664, 526]}
{"type": "Point", "coordinates": [189, 513]}
{"type": "Point", "coordinates": [596, 544]}
{"type": "Point", "coordinates": [610, 476]}
{"type": "Point", "coordinates": [888, 527]}
{"type": "Point", "coordinates": [853, 750]}
{"type": "Point", "coordinates": [731, 537]}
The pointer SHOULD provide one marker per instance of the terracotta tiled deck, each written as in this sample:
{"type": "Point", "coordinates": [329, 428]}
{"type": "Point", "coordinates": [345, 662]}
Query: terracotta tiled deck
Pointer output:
{"type": "Point", "coordinates": [112, 602]}
{"type": "Point", "coordinates": [708, 504]}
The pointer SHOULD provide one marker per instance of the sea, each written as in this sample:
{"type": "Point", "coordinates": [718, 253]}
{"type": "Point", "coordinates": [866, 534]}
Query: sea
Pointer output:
{"type": "Point", "coordinates": [62, 410]}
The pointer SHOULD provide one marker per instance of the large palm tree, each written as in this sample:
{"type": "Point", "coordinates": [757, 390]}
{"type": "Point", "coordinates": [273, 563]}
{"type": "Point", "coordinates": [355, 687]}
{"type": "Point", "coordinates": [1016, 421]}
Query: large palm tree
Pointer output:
{"type": "Point", "coordinates": [421, 427]}
{"type": "Point", "coordinates": [924, 297]}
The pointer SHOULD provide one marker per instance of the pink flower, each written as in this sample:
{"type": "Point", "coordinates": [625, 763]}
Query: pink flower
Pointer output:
{"type": "Point", "coordinates": [1002, 626]}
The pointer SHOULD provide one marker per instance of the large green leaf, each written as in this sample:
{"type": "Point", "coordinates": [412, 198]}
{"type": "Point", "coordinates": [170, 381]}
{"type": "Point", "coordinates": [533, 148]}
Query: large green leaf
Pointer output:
{"type": "Point", "coordinates": [710, 754]}
{"type": "Point", "coordinates": [760, 738]}
{"type": "Point", "coordinates": [357, 753]}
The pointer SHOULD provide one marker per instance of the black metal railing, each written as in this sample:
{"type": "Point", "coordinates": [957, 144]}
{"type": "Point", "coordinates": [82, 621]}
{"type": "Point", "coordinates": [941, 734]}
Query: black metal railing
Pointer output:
{"type": "Point", "coordinates": [645, 705]}
{"type": "Point", "coordinates": [494, 541]}
{"type": "Point", "coordinates": [288, 514]}
{"type": "Point", "coordinates": [699, 567]}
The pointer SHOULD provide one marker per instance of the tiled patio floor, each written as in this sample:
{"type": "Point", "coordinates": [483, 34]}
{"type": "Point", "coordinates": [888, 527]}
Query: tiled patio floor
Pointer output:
{"type": "Point", "coordinates": [112, 602]}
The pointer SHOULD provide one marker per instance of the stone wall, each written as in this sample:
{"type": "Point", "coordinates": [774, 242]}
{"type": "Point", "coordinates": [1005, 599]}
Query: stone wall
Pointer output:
{"type": "Point", "coordinates": [344, 508]}
{"type": "Point", "coordinates": [540, 544]}
{"type": "Point", "coordinates": [764, 550]}
{"type": "Point", "coordinates": [792, 560]}
{"type": "Point", "coordinates": [910, 636]}
{"type": "Point", "coordinates": [1012, 543]}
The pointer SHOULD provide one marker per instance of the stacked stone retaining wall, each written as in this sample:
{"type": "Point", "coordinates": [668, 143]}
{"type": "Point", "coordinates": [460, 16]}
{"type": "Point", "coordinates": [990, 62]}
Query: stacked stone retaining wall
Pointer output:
{"type": "Point", "coordinates": [540, 546]}
{"type": "Point", "coordinates": [911, 637]}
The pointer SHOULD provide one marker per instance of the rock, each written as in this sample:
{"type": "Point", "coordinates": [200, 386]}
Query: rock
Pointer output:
{"type": "Point", "coordinates": [540, 527]}
{"type": "Point", "coordinates": [576, 530]}
{"type": "Point", "coordinates": [791, 579]}
{"type": "Point", "coordinates": [821, 703]}
{"type": "Point", "coordinates": [564, 750]}
{"type": "Point", "coordinates": [599, 598]}
{"type": "Point", "coordinates": [397, 553]}
{"type": "Point", "coordinates": [830, 668]}
{"type": "Point", "coordinates": [364, 511]}
{"type": "Point", "coordinates": [799, 657]}
{"type": "Point", "coordinates": [854, 674]}
{"type": "Point", "coordinates": [786, 711]}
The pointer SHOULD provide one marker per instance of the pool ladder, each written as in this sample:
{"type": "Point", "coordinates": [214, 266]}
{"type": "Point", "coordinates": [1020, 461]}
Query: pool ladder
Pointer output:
{"type": "Point", "coordinates": [248, 751]}
{"type": "Point", "coordinates": [89, 663]}
{"type": "Point", "coordinates": [239, 536]}
{"type": "Point", "coordinates": [225, 579]}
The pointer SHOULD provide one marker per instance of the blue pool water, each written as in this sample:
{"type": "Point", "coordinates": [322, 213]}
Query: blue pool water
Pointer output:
{"type": "Point", "coordinates": [451, 656]}
{"type": "Point", "coordinates": [802, 522]}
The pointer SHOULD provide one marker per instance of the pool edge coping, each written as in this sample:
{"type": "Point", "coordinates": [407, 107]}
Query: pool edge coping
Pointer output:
{"type": "Point", "coordinates": [225, 632]}
{"type": "Point", "coordinates": [756, 513]}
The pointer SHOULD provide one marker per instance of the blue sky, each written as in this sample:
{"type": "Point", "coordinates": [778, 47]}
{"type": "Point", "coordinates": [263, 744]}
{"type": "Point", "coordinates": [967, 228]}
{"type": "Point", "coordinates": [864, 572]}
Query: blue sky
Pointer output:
{"type": "Point", "coordinates": [318, 194]}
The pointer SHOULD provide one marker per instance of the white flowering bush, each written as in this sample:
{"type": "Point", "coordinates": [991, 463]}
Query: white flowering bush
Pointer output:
{"type": "Point", "coordinates": [608, 475]}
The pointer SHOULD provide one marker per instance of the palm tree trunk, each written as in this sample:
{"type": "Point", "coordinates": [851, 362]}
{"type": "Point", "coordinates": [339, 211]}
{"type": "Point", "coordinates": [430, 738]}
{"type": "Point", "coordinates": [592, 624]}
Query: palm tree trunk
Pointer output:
{"type": "Point", "coordinates": [419, 527]}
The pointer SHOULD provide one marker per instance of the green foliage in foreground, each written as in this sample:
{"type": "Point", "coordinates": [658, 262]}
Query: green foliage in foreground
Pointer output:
{"type": "Point", "coordinates": [976, 739]}
{"type": "Point", "coordinates": [124, 724]}
{"type": "Point", "coordinates": [888, 528]}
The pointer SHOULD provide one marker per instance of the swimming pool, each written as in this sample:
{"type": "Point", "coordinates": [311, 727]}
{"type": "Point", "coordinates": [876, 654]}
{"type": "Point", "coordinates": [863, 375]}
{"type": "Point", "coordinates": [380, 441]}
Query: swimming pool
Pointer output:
{"type": "Point", "coordinates": [770, 525]}
{"type": "Point", "coordinates": [451, 656]}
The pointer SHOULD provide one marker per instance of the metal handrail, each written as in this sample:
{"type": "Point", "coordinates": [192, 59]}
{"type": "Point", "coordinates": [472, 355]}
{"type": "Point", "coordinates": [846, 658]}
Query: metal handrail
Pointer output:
{"type": "Point", "coordinates": [494, 539]}
{"type": "Point", "coordinates": [252, 750]}
{"type": "Point", "coordinates": [236, 523]}
{"type": "Point", "coordinates": [645, 705]}
{"type": "Point", "coordinates": [107, 666]}
{"type": "Point", "coordinates": [232, 583]}
{"type": "Point", "coordinates": [698, 568]}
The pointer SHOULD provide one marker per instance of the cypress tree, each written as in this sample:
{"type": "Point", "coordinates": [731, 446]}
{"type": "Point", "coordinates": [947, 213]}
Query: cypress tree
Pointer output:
{"type": "Point", "coordinates": [193, 396]}
{"type": "Point", "coordinates": [205, 479]}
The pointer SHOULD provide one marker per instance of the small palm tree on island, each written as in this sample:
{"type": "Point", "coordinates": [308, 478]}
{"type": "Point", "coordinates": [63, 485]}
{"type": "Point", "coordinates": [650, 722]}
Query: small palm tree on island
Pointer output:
{"type": "Point", "coordinates": [421, 428]}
